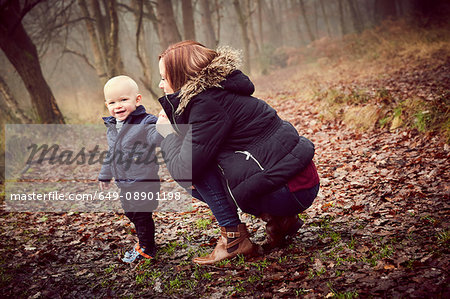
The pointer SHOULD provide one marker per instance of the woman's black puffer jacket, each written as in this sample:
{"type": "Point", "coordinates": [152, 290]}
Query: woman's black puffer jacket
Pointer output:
{"type": "Point", "coordinates": [256, 151]}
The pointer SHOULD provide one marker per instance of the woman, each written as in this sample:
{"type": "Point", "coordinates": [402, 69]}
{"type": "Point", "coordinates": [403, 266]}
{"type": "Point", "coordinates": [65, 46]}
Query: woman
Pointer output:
{"type": "Point", "coordinates": [242, 154]}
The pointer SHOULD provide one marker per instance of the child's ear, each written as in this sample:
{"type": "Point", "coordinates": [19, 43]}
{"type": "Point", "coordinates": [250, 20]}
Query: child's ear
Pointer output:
{"type": "Point", "coordinates": [138, 99]}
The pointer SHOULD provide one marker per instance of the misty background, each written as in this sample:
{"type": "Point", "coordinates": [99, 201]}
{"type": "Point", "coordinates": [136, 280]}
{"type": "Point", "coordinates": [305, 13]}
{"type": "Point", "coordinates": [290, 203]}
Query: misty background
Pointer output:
{"type": "Point", "coordinates": [56, 55]}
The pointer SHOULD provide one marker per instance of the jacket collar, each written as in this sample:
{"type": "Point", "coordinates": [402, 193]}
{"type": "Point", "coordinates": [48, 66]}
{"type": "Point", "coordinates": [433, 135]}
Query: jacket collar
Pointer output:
{"type": "Point", "coordinates": [227, 61]}
{"type": "Point", "coordinates": [112, 120]}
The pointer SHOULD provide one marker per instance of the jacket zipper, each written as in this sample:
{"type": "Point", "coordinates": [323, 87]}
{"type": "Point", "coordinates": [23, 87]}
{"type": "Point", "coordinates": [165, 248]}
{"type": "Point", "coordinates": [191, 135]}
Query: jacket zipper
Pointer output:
{"type": "Point", "coordinates": [249, 155]}
{"type": "Point", "coordinates": [228, 187]}
{"type": "Point", "coordinates": [114, 151]}
{"type": "Point", "coordinates": [173, 115]}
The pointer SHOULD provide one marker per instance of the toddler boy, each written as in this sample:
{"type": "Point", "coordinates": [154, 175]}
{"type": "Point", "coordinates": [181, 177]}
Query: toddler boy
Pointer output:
{"type": "Point", "coordinates": [132, 138]}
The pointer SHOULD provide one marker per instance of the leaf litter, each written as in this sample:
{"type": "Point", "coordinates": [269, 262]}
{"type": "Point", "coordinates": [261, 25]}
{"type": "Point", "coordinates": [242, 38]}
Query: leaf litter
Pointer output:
{"type": "Point", "coordinates": [379, 228]}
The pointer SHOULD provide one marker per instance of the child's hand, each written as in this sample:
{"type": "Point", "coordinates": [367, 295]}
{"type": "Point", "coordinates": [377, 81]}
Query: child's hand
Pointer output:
{"type": "Point", "coordinates": [163, 125]}
{"type": "Point", "coordinates": [103, 185]}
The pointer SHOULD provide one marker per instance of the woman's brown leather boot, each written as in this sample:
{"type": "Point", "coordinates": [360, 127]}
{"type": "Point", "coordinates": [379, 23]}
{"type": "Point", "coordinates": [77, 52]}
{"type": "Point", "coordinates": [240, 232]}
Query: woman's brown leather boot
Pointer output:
{"type": "Point", "coordinates": [277, 228]}
{"type": "Point", "coordinates": [233, 241]}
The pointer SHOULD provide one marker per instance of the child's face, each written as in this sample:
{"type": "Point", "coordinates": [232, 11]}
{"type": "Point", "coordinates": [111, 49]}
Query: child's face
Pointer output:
{"type": "Point", "coordinates": [164, 84]}
{"type": "Point", "coordinates": [121, 100]}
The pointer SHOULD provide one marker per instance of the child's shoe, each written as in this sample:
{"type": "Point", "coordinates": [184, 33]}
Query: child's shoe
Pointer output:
{"type": "Point", "coordinates": [136, 254]}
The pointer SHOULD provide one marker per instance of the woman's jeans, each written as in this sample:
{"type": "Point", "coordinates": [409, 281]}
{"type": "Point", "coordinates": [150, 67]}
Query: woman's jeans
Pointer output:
{"type": "Point", "coordinates": [211, 191]}
{"type": "Point", "coordinates": [281, 202]}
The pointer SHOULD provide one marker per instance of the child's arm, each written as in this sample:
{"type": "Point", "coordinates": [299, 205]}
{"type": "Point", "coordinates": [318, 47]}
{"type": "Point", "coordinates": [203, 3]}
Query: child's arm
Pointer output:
{"type": "Point", "coordinates": [152, 137]}
{"type": "Point", "coordinates": [105, 175]}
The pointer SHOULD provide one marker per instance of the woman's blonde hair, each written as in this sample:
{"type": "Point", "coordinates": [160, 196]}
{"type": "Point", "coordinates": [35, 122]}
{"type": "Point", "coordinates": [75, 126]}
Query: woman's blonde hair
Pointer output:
{"type": "Point", "coordinates": [184, 60]}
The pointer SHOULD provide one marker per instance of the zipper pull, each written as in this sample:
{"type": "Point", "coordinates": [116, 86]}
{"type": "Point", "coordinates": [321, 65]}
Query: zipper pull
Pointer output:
{"type": "Point", "coordinates": [248, 154]}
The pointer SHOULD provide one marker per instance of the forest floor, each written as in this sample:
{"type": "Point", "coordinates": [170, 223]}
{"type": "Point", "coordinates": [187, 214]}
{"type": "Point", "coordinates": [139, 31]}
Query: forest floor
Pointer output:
{"type": "Point", "coordinates": [379, 227]}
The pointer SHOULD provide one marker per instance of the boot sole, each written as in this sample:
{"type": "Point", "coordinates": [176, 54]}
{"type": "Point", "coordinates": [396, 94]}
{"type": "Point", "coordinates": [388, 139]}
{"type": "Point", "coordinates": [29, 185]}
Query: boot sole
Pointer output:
{"type": "Point", "coordinates": [256, 250]}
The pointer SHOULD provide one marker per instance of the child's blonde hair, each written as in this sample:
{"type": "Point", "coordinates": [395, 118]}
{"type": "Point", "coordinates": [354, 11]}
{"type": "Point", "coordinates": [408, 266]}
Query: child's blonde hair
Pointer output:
{"type": "Point", "coordinates": [122, 79]}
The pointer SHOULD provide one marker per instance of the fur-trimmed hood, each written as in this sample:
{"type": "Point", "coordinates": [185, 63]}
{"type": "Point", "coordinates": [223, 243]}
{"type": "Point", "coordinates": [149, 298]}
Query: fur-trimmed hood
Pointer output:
{"type": "Point", "coordinates": [222, 73]}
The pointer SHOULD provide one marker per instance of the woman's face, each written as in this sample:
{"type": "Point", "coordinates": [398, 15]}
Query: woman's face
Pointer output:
{"type": "Point", "coordinates": [164, 84]}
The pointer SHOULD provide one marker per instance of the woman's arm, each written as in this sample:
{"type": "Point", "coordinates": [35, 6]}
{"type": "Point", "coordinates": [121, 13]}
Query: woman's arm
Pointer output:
{"type": "Point", "coordinates": [188, 156]}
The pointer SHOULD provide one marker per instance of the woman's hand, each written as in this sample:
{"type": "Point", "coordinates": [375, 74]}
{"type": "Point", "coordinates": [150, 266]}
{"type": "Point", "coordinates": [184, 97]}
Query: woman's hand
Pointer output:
{"type": "Point", "coordinates": [163, 125]}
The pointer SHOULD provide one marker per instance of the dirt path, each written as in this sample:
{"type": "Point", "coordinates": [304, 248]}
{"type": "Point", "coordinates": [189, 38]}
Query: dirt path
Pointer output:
{"type": "Point", "coordinates": [379, 227]}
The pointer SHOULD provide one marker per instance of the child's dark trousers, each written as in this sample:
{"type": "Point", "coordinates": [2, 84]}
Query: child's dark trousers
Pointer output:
{"type": "Point", "coordinates": [138, 208]}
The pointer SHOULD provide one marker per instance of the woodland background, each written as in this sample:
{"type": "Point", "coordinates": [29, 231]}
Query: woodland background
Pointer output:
{"type": "Point", "coordinates": [56, 55]}
{"type": "Point", "coordinates": [368, 81]}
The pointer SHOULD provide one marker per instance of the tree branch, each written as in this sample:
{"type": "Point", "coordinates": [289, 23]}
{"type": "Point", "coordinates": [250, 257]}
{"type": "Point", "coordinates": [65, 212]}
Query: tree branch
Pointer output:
{"type": "Point", "coordinates": [74, 21]}
{"type": "Point", "coordinates": [83, 56]}
{"type": "Point", "coordinates": [130, 9]}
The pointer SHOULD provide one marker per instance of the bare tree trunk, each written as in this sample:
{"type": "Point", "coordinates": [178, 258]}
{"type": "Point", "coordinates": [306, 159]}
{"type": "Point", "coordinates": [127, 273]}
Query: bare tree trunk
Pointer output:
{"type": "Point", "coordinates": [254, 41]}
{"type": "Point", "coordinates": [207, 24]}
{"type": "Point", "coordinates": [400, 8]}
{"type": "Point", "coordinates": [96, 43]}
{"type": "Point", "coordinates": [341, 17]}
{"type": "Point", "coordinates": [152, 16]}
{"type": "Point", "coordinates": [188, 20]}
{"type": "Point", "coordinates": [308, 27]}
{"type": "Point", "coordinates": [325, 17]}
{"type": "Point", "coordinates": [167, 27]}
{"type": "Point", "coordinates": [281, 8]}
{"type": "Point", "coordinates": [103, 31]}
{"type": "Point", "coordinates": [296, 8]}
{"type": "Point", "coordinates": [242, 19]}
{"type": "Point", "coordinates": [276, 25]}
{"type": "Point", "coordinates": [101, 25]}
{"type": "Point", "coordinates": [260, 24]}
{"type": "Point", "coordinates": [272, 28]}
{"type": "Point", "coordinates": [316, 20]}
{"type": "Point", "coordinates": [385, 9]}
{"type": "Point", "coordinates": [218, 21]}
{"type": "Point", "coordinates": [141, 49]}
{"type": "Point", "coordinates": [114, 60]}
{"type": "Point", "coordinates": [22, 53]}
{"type": "Point", "coordinates": [361, 19]}
{"type": "Point", "coordinates": [355, 17]}
{"type": "Point", "coordinates": [11, 105]}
